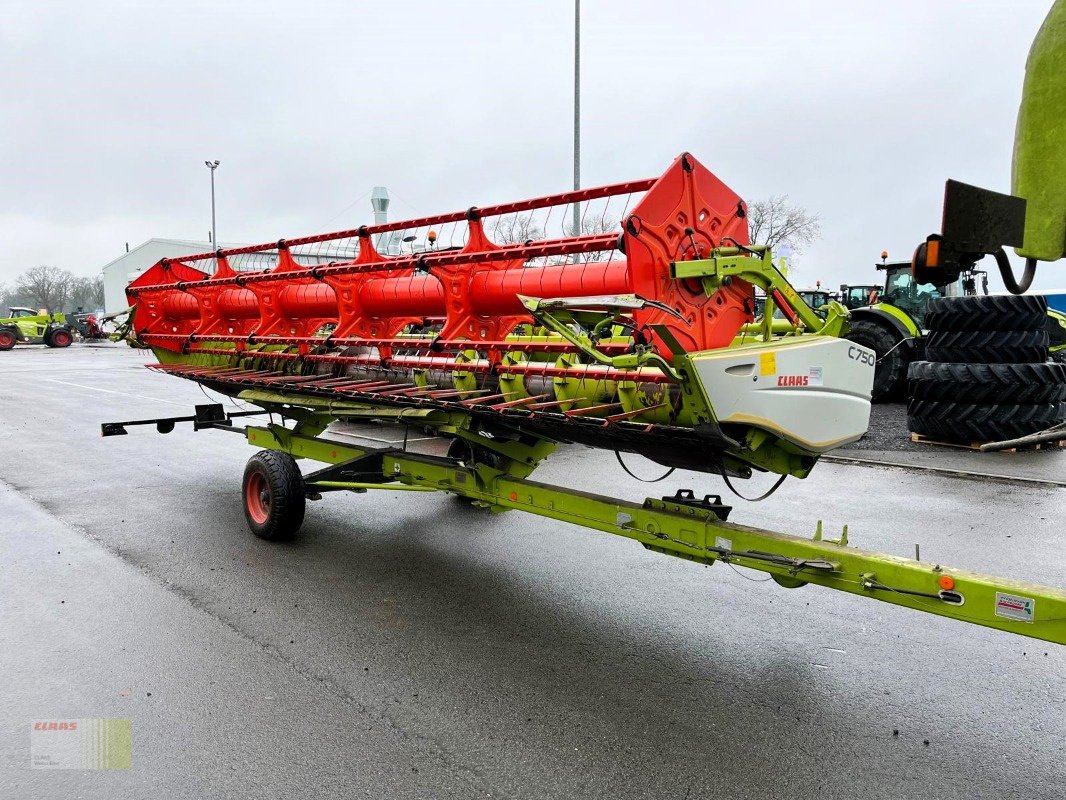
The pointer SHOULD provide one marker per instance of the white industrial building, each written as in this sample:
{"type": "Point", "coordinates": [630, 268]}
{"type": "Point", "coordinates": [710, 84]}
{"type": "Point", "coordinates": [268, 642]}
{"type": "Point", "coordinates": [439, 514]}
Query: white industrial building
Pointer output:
{"type": "Point", "coordinates": [128, 266]}
{"type": "Point", "coordinates": [119, 273]}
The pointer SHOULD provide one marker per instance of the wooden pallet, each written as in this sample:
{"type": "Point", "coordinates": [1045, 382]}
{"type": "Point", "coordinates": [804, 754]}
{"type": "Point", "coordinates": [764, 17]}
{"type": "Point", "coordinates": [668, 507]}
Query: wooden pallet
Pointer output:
{"type": "Point", "coordinates": [918, 438]}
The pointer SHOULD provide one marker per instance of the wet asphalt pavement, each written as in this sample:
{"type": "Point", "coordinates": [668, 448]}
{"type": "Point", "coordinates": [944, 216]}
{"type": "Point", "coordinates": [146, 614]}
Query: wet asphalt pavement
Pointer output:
{"type": "Point", "coordinates": [406, 645]}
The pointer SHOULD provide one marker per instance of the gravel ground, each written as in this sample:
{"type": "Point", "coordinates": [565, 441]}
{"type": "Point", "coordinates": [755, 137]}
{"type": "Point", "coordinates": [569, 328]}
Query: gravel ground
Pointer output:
{"type": "Point", "coordinates": [888, 430]}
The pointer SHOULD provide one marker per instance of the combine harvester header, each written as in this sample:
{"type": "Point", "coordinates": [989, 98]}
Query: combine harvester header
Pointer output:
{"type": "Point", "coordinates": [632, 352]}
{"type": "Point", "coordinates": [642, 340]}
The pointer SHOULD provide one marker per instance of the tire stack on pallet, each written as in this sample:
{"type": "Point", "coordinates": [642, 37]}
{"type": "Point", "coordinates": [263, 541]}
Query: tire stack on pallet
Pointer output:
{"type": "Point", "coordinates": [986, 377]}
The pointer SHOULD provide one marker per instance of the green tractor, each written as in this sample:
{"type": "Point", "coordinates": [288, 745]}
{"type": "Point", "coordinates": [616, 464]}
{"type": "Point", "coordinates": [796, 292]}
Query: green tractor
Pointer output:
{"type": "Point", "coordinates": [854, 297]}
{"type": "Point", "coordinates": [1056, 332]}
{"type": "Point", "coordinates": [890, 320]}
{"type": "Point", "coordinates": [818, 299]}
{"type": "Point", "coordinates": [31, 327]}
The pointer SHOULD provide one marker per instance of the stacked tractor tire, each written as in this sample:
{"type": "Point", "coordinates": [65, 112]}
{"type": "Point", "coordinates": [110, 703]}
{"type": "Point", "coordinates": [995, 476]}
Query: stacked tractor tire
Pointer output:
{"type": "Point", "coordinates": [986, 377]}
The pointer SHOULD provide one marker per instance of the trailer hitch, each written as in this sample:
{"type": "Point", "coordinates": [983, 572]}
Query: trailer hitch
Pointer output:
{"type": "Point", "coordinates": [208, 416]}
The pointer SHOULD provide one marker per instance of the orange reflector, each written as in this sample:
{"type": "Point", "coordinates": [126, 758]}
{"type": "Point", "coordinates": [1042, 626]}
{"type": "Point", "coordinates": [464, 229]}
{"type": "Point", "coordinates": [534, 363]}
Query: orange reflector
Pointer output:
{"type": "Point", "coordinates": [947, 583]}
{"type": "Point", "coordinates": [932, 253]}
{"type": "Point", "coordinates": [514, 496]}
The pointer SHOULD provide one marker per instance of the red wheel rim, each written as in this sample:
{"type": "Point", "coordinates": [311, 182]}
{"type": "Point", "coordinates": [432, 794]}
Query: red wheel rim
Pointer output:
{"type": "Point", "coordinates": [6, 339]}
{"type": "Point", "coordinates": [61, 338]}
{"type": "Point", "coordinates": [257, 498]}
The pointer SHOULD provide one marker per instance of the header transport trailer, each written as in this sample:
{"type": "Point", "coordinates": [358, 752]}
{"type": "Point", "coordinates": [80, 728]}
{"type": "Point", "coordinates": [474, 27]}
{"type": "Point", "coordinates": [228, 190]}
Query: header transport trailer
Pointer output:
{"type": "Point", "coordinates": [643, 341]}
{"type": "Point", "coordinates": [638, 341]}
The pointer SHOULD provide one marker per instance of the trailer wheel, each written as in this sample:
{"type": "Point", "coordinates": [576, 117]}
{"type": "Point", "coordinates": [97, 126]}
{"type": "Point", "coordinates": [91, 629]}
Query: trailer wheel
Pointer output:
{"type": "Point", "coordinates": [7, 340]}
{"type": "Point", "coordinates": [60, 337]}
{"type": "Point", "coordinates": [274, 499]}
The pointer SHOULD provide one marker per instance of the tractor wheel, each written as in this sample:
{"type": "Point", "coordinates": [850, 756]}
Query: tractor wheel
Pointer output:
{"type": "Point", "coordinates": [890, 369]}
{"type": "Point", "coordinates": [989, 313]}
{"type": "Point", "coordinates": [974, 422]}
{"type": "Point", "coordinates": [274, 499]}
{"type": "Point", "coordinates": [7, 340]}
{"type": "Point", "coordinates": [987, 383]}
{"type": "Point", "coordinates": [988, 347]}
{"type": "Point", "coordinates": [60, 337]}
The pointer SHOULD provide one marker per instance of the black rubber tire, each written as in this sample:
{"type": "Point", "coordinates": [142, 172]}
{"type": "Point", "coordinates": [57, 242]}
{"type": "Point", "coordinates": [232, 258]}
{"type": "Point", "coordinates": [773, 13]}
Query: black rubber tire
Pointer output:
{"type": "Point", "coordinates": [989, 313]}
{"type": "Point", "coordinates": [275, 479]}
{"type": "Point", "coordinates": [60, 337]}
{"type": "Point", "coordinates": [890, 371]}
{"type": "Point", "coordinates": [7, 340]}
{"type": "Point", "coordinates": [987, 383]}
{"type": "Point", "coordinates": [987, 347]}
{"type": "Point", "coordinates": [974, 422]}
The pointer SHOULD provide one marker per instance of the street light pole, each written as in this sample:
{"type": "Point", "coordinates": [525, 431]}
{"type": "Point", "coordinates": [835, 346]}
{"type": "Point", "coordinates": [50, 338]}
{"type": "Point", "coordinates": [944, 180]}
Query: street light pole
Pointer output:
{"type": "Point", "coordinates": [213, 165]}
{"type": "Point", "coordinates": [577, 113]}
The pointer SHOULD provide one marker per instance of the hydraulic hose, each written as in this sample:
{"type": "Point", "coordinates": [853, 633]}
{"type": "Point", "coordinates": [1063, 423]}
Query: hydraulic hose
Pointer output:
{"type": "Point", "coordinates": [1007, 273]}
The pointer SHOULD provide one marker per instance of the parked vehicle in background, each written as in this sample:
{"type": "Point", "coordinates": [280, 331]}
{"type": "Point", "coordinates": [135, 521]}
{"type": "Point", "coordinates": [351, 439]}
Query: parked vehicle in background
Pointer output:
{"type": "Point", "coordinates": [26, 326]}
{"type": "Point", "coordinates": [892, 321]}
{"type": "Point", "coordinates": [853, 297]}
{"type": "Point", "coordinates": [87, 325]}
{"type": "Point", "coordinates": [1056, 334]}
{"type": "Point", "coordinates": [817, 299]}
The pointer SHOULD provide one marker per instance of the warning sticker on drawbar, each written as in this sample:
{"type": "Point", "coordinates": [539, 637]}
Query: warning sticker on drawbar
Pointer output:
{"type": "Point", "coordinates": [1014, 607]}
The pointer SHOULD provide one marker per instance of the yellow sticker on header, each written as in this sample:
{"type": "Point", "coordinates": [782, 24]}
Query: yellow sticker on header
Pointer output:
{"type": "Point", "coordinates": [768, 363]}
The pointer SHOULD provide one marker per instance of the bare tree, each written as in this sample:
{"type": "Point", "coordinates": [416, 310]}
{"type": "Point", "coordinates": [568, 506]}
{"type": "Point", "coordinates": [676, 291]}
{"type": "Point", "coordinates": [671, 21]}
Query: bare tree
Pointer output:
{"type": "Point", "coordinates": [87, 293]}
{"type": "Point", "coordinates": [11, 297]}
{"type": "Point", "coordinates": [776, 222]}
{"type": "Point", "coordinates": [47, 287]}
{"type": "Point", "coordinates": [515, 229]}
{"type": "Point", "coordinates": [591, 226]}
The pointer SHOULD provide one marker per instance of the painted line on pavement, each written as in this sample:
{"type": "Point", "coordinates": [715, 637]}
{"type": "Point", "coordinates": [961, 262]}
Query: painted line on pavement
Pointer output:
{"type": "Point", "coordinates": [951, 473]}
{"type": "Point", "coordinates": [112, 391]}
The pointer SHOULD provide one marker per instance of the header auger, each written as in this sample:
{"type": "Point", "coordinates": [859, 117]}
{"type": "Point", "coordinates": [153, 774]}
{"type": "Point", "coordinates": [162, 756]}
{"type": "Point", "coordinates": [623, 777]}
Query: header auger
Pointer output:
{"type": "Point", "coordinates": [507, 350]}
{"type": "Point", "coordinates": [650, 350]}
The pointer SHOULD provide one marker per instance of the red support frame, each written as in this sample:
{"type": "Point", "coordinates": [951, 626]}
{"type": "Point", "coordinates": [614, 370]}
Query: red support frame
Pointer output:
{"type": "Point", "coordinates": [371, 304]}
{"type": "Point", "coordinates": [686, 215]}
{"type": "Point", "coordinates": [229, 310]}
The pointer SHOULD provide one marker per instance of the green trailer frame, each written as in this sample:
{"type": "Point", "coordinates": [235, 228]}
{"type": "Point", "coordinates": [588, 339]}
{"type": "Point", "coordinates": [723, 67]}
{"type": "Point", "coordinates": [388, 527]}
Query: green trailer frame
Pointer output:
{"type": "Point", "coordinates": [681, 525]}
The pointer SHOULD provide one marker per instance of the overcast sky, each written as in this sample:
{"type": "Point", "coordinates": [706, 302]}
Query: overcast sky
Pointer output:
{"type": "Point", "coordinates": [857, 110]}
